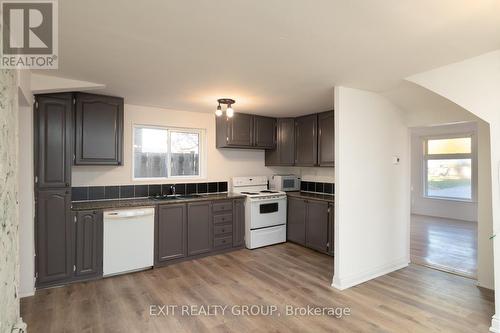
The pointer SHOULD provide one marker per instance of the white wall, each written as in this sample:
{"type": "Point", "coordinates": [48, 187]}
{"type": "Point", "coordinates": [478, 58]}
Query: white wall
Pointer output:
{"type": "Point", "coordinates": [372, 194]}
{"type": "Point", "coordinates": [222, 164]}
{"type": "Point", "coordinates": [420, 204]}
{"type": "Point", "coordinates": [426, 109]}
{"type": "Point", "coordinates": [26, 190]}
{"type": "Point", "coordinates": [474, 84]}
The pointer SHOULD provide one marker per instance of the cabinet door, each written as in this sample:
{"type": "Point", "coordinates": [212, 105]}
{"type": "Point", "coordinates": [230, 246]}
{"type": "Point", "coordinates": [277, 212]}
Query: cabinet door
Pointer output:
{"type": "Point", "coordinates": [326, 139]}
{"type": "Point", "coordinates": [264, 132]}
{"type": "Point", "coordinates": [238, 222]}
{"type": "Point", "coordinates": [284, 153]}
{"type": "Point", "coordinates": [53, 143]}
{"type": "Point", "coordinates": [99, 130]}
{"type": "Point", "coordinates": [331, 230]}
{"type": "Point", "coordinates": [171, 233]}
{"type": "Point", "coordinates": [297, 213]}
{"type": "Point", "coordinates": [306, 140]}
{"type": "Point", "coordinates": [317, 225]}
{"type": "Point", "coordinates": [199, 228]}
{"type": "Point", "coordinates": [53, 236]}
{"type": "Point", "coordinates": [238, 131]}
{"type": "Point", "coordinates": [88, 242]}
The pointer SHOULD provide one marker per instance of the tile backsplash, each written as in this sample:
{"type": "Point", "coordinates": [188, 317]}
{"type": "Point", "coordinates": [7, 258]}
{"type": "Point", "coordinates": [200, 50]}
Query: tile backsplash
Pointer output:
{"type": "Point", "coordinates": [316, 187]}
{"type": "Point", "coordinates": [86, 193]}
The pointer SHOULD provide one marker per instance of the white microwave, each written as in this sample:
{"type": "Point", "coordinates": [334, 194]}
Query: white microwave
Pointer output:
{"type": "Point", "coordinates": [285, 183]}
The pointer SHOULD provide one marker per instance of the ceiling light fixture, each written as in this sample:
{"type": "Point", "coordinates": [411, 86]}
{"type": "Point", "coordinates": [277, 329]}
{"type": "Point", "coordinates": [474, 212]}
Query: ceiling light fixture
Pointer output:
{"type": "Point", "coordinates": [218, 112]}
{"type": "Point", "coordinates": [229, 110]}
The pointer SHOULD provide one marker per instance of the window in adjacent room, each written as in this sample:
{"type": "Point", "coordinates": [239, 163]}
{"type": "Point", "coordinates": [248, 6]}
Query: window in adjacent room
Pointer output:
{"type": "Point", "coordinates": [167, 152]}
{"type": "Point", "coordinates": [448, 168]}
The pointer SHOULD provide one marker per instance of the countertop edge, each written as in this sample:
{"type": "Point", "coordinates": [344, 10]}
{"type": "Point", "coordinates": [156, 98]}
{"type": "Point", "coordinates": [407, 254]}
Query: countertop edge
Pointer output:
{"type": "Point", "coordinates": [146, 202]}
{"type": "Point", "coordinates": [312, 196]}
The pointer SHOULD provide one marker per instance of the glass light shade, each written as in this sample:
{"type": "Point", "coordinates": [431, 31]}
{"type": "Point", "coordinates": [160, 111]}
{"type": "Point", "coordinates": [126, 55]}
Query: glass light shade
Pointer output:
{"type": "Point", "coordinates": [230, 112]}
{"type": "Point", "coordinates": [218, 112]}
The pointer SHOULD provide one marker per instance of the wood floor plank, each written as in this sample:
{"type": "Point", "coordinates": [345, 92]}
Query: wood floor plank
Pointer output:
{"type": "Point", "coordinates": [414, 299]}
{"type": "Point", "coordinates": [445, 244]}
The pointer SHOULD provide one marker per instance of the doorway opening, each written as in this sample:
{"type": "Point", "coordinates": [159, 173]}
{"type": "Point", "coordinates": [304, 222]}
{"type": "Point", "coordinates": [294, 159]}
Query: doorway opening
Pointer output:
{"type": "Point", "coordinates": [444, 198]}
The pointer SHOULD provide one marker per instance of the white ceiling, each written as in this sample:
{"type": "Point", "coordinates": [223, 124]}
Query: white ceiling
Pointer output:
{"type": "Point", "coordinates": [275, 57]}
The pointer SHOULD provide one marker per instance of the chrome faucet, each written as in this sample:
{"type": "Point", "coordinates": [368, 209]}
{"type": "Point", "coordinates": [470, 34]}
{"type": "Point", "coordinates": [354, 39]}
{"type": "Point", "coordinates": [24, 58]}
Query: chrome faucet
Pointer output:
{"type": "Point", "coordinates": [172, 189]}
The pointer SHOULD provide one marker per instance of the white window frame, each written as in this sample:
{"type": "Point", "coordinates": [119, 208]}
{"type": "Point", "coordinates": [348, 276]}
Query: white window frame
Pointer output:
{"type": "Point", "coordinates": [472, 155]}
{"type": "Point", "coordinates": [202, 153]}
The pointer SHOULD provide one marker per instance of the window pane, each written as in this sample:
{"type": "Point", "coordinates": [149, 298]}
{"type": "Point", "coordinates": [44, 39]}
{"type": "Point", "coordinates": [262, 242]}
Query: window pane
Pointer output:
{"type": "Point", "coordinates": [185, 157]}
{"type": "Point", "coordinates": [449, 178]}
{"type": "Point", "coordinates": [449, 146]}
{"type": "Point", "coordinates": [150, 152]}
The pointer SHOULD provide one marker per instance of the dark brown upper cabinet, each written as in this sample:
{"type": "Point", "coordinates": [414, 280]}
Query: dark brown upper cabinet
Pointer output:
{"type": "Point", "coordinates": [171, 232]}
{"type": "Point", "coordinates": [88, 244]}
{"type": "Point", "coordinates": [284, 154]}
{"type": "Point", "coordinates": [235, 132]}
{"type": "Point", "coordinates": [98, 130]}
{"type": "Point", "coordinates": [200, 227]}
{"type": "Point", "coordinates": [306, 140]}
{"type": "Point", "coordinates": [265, 132]}
{"type": "Point", "coordinates": [53, 237]}
{"type": "Point", "coordinates": [326, 139]}
{"type": "Point", "coordinates": [246, 131]}
{"type": "Point", "coordinates": [53, 140]}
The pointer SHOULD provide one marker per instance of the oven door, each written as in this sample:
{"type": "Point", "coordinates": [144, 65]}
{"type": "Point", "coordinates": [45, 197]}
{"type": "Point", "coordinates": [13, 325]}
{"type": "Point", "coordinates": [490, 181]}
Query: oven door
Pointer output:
{"type": "Point", "coordinates": [267, 212]}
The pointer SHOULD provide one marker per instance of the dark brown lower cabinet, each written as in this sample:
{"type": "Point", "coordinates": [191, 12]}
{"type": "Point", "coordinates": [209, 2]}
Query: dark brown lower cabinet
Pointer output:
{"type": "Point", "coordinates": [331, 231]}
{"type": "Point", "coordinates": [239, 222]}
{"type": "Point", "coordinates": [297, 215]}
{"type": "Point", "coordinates": [88, 244]}
{"type": "Point", "coordinates": [171, 232]}
{"type": "Point", "coordinates": [53, 228]}
{"type": "Point", "coordinates": [310, 223]}
{"type": "Point", "coordinates": [199, 227]}
{"type": "Point", "coordinates": [317, 226]}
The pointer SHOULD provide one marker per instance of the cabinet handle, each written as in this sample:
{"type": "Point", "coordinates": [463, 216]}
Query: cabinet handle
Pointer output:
{"type": "Point", "coordinates": [67, 184]}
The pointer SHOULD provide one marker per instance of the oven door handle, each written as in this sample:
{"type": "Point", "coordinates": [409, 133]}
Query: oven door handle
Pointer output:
{"type": "Point", "coordinates": [268, 200]}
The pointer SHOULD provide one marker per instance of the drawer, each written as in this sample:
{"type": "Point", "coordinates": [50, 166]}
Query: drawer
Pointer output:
{"type": "Point", "coordinates": [221, 229]}
{"type": "Point", "coordinates": [223, 241]}
{"type": "Point", "coordinates": [222, 206]}
{"type": "Point", "coordinates": [223, 218]}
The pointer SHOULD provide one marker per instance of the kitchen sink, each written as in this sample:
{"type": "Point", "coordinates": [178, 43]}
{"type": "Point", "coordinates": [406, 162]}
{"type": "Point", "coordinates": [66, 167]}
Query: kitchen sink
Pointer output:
{"type": "Point", "coordinates": [190, 196]}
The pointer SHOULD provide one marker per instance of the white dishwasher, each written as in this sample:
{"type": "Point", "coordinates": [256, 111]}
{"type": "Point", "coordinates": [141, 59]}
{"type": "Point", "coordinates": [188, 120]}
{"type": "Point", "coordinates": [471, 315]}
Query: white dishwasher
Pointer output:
{"type": "Point", "coordinates": [128, 240]}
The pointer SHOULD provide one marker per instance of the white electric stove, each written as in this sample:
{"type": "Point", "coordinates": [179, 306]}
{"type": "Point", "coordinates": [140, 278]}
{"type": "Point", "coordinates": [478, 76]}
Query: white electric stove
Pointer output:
{"type": "Point", "coordinates": [265, 211]}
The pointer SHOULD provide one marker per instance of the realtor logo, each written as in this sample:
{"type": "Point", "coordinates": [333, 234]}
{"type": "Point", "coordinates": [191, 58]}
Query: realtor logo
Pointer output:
{"type": "Point", "coordinates": [29, 35]}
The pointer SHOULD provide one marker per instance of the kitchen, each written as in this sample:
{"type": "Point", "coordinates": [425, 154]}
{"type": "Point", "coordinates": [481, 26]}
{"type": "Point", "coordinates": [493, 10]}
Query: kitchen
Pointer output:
{"type": "Point", "coordinates": [235, 166]}
{"type": "Point", "coordinates": [83, 232]}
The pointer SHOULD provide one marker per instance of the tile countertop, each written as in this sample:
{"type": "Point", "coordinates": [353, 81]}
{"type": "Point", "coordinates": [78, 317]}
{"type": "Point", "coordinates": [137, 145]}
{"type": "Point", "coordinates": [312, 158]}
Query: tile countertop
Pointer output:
{"type": "Point", "coordinates": [144, 202]}
{"type": "Point", "coordinates": [313, 196]}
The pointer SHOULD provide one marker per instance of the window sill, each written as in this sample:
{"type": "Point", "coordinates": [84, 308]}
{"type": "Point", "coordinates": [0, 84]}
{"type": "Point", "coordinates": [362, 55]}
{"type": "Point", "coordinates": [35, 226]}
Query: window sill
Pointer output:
{"type": "Point", "coordinates": [450, 199]}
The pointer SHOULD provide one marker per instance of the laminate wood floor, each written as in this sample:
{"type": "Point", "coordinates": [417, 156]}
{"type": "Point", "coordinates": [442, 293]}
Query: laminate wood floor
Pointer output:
{"type": "Point", "coordinates": [414, 299]}
{"type": "Point", "coordinates": [445, 244]}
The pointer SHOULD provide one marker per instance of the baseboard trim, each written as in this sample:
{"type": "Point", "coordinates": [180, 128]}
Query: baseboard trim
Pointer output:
{"type": "Point", "coordinates": [355, 279]}
{"type": "Point", "coordinates": [495, 324]}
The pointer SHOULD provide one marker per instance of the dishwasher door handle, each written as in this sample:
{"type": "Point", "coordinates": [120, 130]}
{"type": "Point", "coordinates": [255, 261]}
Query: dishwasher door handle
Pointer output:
{"type": "Point", "coordinates": [120, 214]}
